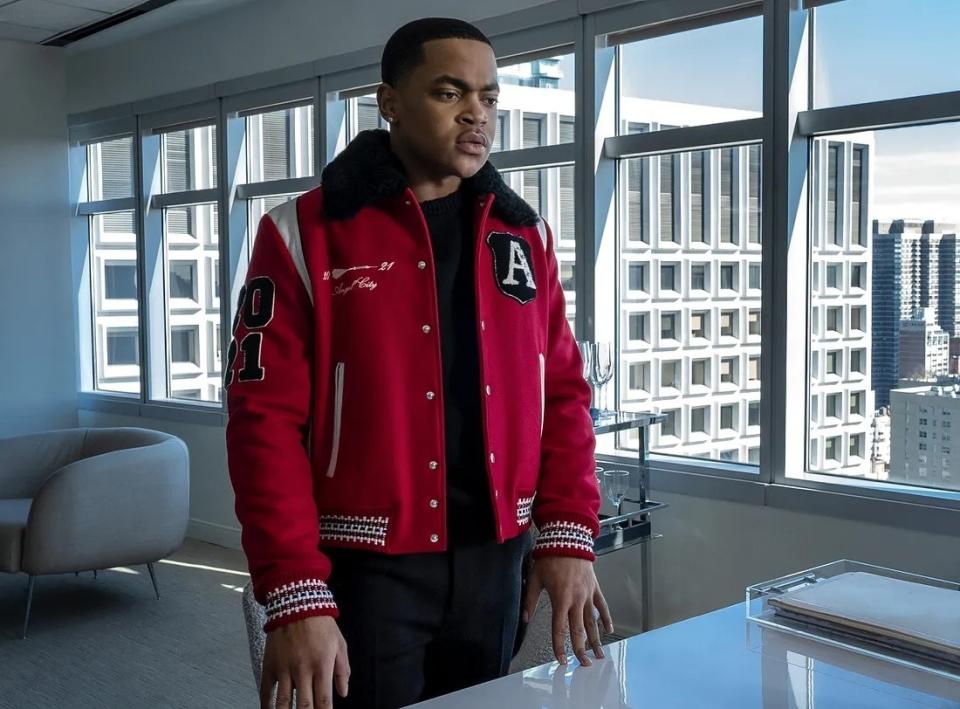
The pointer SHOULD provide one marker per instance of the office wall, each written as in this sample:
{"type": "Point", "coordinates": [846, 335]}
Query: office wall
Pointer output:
{"type": "Point", "coordinates": [249, 39]}
{"type": "Point", "coordinates": [37, 352]}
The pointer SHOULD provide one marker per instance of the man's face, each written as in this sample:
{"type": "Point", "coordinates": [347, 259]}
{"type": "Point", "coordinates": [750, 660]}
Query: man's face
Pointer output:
{"type": "Point", "coordinates": [445, 110]}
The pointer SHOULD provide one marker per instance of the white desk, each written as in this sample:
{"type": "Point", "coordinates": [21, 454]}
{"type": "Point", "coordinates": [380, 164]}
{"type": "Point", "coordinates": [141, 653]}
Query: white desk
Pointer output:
{"type": "Point", "coordinates": [714, 661]}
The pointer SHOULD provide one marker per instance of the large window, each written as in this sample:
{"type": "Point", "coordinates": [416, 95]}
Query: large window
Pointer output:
{"type": "Point", "coordinates": [699, 313]}
{"type": "Point", "coordinates": [889, 299]}
{"type": "Point", "coordinates": [691, 218]}
{"type": "Point", "coordinates": [112, 265]}
{"type": "Point", "coordinates": [700, 76]}
{"type": "Point", "coordinates": [279, 144]}
{"type": "Point", "coordinates": [190, 248]}
{"type": "Point", "coordinates": [537, 103]}
{"type": "Point", "coordinates": [851, 66]}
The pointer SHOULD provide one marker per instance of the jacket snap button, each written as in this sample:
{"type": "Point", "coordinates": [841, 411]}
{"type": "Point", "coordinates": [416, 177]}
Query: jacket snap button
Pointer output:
{"type": "Point", "coordinates": [426, 329]}
{"type": "Point", "coordinates": [433, 465]}
{"type": "Point", "coordinates": [434, 538]}
{"type": "Point", "coordinates": [489, 391]}
{"type": "Point", "coordinates": [422, 265]}
{"type": "Point", "coordinates": [430, 395]}
{"type": "Point", "coordinates": [434, 504]}
{"type": "Point", "coordinates": [493, 458]}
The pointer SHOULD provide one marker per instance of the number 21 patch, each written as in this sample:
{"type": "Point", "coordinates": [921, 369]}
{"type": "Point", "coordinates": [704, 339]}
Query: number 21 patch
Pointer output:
{"type": "Point", "coordinates": [255, 309]}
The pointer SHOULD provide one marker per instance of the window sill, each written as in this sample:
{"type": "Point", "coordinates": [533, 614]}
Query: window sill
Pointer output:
{"type": "Point", "coordinates": [207, 414]}
{"type": "Point", "coordinates": [868, 501]}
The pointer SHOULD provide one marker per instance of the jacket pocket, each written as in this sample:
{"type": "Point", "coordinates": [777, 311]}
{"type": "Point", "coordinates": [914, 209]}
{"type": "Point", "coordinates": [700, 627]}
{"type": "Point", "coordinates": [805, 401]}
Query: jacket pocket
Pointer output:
{"type": "Point", "coordinates": [337, 418]}
{"type": "Point", "coordinates": [543, 392]}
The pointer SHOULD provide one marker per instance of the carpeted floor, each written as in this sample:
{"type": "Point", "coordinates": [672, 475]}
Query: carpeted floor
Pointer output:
{"type": "Point", "coordinates": [108, 642]}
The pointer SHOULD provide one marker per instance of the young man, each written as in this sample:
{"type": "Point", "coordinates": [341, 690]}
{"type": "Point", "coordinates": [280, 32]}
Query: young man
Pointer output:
{"type": "Point", "coordinates": [405, 397]}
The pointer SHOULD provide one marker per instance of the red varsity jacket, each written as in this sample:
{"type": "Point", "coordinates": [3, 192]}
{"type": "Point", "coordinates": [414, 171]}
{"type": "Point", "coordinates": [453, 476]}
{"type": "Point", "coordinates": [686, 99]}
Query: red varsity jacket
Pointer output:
{"type": "Point", "coordinates": [334, 382]}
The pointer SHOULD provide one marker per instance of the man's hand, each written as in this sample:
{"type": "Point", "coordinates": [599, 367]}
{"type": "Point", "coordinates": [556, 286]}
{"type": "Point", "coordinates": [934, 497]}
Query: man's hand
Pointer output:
{"type": "Point", "coordinates": [308, 655]}
{"type": "Point", "coordinates": [574, 593]}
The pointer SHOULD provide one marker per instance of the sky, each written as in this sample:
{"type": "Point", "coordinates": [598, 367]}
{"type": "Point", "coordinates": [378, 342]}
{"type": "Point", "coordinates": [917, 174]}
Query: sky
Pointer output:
{"type": "Point", "coordinates": [866, 50]}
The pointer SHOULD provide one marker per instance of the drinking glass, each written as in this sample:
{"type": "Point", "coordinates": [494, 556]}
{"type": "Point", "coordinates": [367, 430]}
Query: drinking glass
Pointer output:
{"type": "Point", "coordinates": [616, 485]}
{"type": "Point", "coordinates": [602, 368]}
{"type": "Point", "coordinates": [586, 354]}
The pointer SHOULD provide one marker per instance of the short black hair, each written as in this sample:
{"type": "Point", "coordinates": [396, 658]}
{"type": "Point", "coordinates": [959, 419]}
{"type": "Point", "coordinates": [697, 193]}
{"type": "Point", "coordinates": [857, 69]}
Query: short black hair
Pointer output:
{"type": "Point", "coordinates": [403, 52]}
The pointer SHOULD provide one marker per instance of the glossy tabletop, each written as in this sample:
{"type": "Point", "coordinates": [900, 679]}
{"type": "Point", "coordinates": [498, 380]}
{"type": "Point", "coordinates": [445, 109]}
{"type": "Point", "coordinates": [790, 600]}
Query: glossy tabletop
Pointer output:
{"type": "Point", "coordinates": [712, 661]}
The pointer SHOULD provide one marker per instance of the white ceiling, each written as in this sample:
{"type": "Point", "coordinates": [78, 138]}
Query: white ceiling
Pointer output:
{"type": "Point", "coordinates": [38, 20]}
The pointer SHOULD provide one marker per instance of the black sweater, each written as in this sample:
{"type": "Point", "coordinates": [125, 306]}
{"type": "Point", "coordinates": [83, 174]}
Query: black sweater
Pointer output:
{"type": "Point", "coordinates": [469, 510]}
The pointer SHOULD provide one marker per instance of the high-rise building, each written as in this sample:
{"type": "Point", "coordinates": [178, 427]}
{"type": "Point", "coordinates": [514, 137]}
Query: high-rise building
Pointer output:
{"type": "Point", "coordinates": [915, 266]}
{"type": "Point", "coordinates": [880, 444]}
{"type": "Point", "coordinates": [924, 443]}
{"type": "Point", "coordinates": [924, 347]}
{"type": "Point", "coordinates": [841, 401]}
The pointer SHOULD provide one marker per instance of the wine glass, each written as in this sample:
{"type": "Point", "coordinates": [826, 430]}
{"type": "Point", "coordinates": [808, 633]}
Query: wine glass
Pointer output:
{"type": "Point", "coordinates": [616, 485]}
{"type": "Point", "coordinates": [586, 354]}
{"type": "Point", "coordinates": [602, 366]}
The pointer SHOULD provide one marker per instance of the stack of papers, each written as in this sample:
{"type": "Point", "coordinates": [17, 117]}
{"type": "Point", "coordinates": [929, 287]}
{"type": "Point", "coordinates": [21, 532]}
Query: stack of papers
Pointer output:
{"type": "Point", "coordinates": [905, 616]}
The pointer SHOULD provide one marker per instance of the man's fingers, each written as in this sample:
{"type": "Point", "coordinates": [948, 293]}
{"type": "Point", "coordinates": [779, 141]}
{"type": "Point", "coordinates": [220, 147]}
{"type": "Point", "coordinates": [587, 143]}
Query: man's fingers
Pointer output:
{"type": "Point", "coordinates": [304, 685]}
{"type": "Point", "coordinates": [531, 597]}
{"type": "Point", "coordinates": [341, 670]}
{"type": "Point", "coordinates": [601, 603]}
{"type": "Point", "coordinates": [323, 684]}
{"type": "Point", "coordinates": [267, 680]}
{"type": "Point", "coordinates": [559, 630]}
{"type": "Point", "coordinates": [593, 632]}
{"type": "Point", "coordinates": [284, 692]}
{"type": "Point", "coordinates": [578, 635]}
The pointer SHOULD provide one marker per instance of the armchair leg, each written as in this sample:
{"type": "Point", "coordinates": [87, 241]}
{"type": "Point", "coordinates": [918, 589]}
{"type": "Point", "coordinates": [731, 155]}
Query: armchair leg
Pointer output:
{"type": "Point", "coordinates": [153, 577]}
{"type": "Point", "coordinates": [26, 618]}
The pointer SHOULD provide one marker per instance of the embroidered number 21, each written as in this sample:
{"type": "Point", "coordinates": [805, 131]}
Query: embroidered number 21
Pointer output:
{"type": "Point", "coordinates": [255, 307]}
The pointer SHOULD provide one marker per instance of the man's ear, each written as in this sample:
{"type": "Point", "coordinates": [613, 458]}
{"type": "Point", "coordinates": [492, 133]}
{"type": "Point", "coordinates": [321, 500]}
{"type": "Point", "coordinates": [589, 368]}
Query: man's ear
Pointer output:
{"type": "Point", "coordinates": [387, 102]}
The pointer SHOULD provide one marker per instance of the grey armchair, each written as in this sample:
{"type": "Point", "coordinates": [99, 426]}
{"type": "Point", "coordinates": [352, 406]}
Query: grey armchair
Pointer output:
{"type": "Point", "coordinates": [90, 498]}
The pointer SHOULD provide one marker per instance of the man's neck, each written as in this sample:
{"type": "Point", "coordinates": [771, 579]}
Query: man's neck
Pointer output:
{"type": "Point", "coordinates": [424, 185]}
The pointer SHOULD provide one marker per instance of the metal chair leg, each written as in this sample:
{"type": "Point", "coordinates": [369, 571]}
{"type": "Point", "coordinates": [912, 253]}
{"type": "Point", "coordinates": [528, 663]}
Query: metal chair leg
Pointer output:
{"type": "Point", "coordinates": [26, 618]}
{"type": "Point", "coordinates": [153, 577]}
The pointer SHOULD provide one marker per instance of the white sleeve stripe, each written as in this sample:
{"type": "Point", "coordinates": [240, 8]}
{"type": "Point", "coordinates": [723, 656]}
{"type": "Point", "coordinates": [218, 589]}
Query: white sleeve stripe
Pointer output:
{"type": "Point", "coordinates": [541, 227]}
{"type": "Point", "coordinates": [285, 219]}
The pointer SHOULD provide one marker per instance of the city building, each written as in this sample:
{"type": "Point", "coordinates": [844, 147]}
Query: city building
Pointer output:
{"type": "Point", "coordinates": [915, 266]}
{"type": "Point", "coordinates": [880, 444]}
{"type": "Point", "coordinates": [841, 400]}
{"type": "Point", "coordinates": [924, 443]}
{"type": "Point", "coordinates": [924, 346]}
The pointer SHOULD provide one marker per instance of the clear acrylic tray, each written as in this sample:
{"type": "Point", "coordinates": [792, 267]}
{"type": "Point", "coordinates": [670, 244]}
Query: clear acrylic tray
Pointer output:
{"type": "Point", "coordinates": [760, 612]}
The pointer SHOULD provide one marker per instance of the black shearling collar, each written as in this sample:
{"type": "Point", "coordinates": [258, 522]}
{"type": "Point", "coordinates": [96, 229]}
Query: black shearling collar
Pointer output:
{"type": "Point", "coordinates": [368, 171]}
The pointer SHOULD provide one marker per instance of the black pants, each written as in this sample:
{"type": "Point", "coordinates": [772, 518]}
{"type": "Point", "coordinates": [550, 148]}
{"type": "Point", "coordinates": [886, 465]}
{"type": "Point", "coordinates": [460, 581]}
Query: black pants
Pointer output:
{"type": "Point", "coordinates": [421, 625]}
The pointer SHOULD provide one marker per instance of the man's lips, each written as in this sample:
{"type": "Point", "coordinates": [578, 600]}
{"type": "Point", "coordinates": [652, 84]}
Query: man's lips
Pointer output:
{"type": "Point", "coordinates": [473, 137]}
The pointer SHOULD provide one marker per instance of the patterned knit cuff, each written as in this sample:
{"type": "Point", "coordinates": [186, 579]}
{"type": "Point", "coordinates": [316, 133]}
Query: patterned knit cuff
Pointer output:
{"type": "Point", "coordinates": [565, 539]}
{"type": "Point", "coordinates": [296, 600]}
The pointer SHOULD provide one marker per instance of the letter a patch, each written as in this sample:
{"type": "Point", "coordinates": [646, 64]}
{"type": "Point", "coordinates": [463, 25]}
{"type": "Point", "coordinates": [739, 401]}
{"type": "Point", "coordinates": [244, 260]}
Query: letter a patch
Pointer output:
{"type": "Point", "coordinates": [512, 266]}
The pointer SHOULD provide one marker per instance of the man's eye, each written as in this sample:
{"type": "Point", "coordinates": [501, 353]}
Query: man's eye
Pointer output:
{"type": "Point", "coordinates": [450, 94]}
{"type": "Point", "coordinates": [493, 100]}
